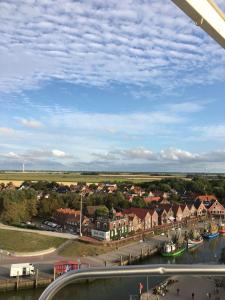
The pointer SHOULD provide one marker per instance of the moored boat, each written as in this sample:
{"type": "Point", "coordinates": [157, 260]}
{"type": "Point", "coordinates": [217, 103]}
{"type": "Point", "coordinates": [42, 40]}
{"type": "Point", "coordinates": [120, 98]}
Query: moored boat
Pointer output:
{"type": "Point", "coordinates": [222, 228]}
{"type": "Point", "coordinates": [212, 232]}
{"type": "Point", "coordinates": [195, 239]}
{"type": "Point", "coordinates": [194, 243]}
{"type": "Point", "coordinates": [171, 249]}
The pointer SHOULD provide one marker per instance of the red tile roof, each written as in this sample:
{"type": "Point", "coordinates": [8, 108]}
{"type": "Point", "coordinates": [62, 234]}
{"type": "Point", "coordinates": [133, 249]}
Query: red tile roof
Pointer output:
{"type": "Point", "coordinates": [140, 212]}
{"type": "Point", "coordinates": [67, 211]}
{"type": "Point", "coordinates": [206, 198]}
{"type": "Point", "coordinates": [151, 199]}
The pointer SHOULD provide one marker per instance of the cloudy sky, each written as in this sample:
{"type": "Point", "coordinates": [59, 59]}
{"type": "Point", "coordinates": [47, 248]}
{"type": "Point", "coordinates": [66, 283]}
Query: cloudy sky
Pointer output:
{"type": "Point", "coordinates": [109, 85]}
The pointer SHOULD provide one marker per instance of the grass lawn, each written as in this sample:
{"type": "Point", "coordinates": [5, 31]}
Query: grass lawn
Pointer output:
{"type": "Point", "coordinates": [27, 242]}
{"type": "Point", "coordinates": [77, 248]}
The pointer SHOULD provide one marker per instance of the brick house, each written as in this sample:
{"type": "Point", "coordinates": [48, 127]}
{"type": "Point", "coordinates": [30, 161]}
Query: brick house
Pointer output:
{"type": "Point", "coordinates": [177, 212]}
{"type": "Point", "coordinates": [216, 209]}
{"type": "Point", "coordinates": [186, 211]}
{"type": "Point", "coordinates": [69, 219]}
{"type": "Point", "coordinates": [108, 229]}
{"type": "Point", "coordinates": [207, 200]}
{"type": "Point", "coordinates": [143, 214]}
{"type": "Point", "coordinates": [165, 213]}
{"type": "Point", "coordinates": [154, 218]}
{"type": "Point", "coordinates": [62, 215]}
{"type": "Point", "coordinates": [193, 210]}
{"type": "Point", "coordinates": [201, 210]}
{"type": "Point", "coordinates": [134, 223]}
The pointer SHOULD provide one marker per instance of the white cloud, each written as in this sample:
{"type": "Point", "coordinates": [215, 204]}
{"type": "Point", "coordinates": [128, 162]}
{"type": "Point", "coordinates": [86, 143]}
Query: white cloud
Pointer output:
{"type": "Point", "coordinates": [6, 131]}
{"type": "Point", "coordinates": [30, 123]}
{"type": "Point", "coordinates": [126, 154]}
{"type": "Point", "coordinates": [11, 155]}
{"type": "Point", "coordinates": [136, 159]}
{"type": "Point", "coordinates": [99, 42]}
{"type": "Point", "coordinates": [210, 132]}
{"type": "Point", "coordinates": [186, 107]}
{"type": "Point", "coordinates": [36, 155]}
{"type": "Point", "coordinates": [58, 153]}
{"type": "Point", "coordinates": [178, 155]}
{"type": "Point", "coordinates": [131, 123]}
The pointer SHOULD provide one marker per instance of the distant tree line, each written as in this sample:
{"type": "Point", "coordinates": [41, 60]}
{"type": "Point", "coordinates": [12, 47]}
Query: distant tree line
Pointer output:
{"type": "Point", "coordinates": [41, 199]}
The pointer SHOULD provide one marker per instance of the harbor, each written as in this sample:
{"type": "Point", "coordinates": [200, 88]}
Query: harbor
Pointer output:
{"type": "Point", "coordinates": [209, 252]}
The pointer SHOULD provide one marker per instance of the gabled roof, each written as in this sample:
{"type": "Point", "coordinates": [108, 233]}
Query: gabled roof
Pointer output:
{"type": "Point", "coordinates": [190, 205]}
{"type": "Point", "coordinates": [140, 212]}
{"type": "Point", "coordinates": [167, 207]}
{"type": "Point", "coordinates": [197, 204]}
{"type": "Point", "coordinates": [216, 204]}
{"type": "Point", "coordinates": [152, 211]}
{"type": "Point", "coordinates": [175, 208]}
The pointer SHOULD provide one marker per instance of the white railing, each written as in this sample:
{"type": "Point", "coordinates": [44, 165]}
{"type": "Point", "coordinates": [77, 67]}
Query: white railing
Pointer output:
{"type": "Point", "coordinates": [129, 271]}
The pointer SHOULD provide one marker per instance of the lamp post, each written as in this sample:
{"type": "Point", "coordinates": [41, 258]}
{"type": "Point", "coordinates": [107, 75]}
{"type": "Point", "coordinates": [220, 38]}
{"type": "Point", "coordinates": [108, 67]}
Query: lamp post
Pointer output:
{"type": "Point", "coordinates": [81, 199]}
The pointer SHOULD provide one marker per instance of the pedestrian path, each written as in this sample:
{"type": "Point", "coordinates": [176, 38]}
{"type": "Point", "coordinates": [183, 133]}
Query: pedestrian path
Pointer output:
{"type": "Point", "coordinates": [190, 288]}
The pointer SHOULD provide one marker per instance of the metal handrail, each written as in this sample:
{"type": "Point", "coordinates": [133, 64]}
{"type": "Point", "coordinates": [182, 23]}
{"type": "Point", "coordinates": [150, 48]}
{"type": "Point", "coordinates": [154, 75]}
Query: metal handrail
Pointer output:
{"type": "Point", "coordinates": [129, 271]}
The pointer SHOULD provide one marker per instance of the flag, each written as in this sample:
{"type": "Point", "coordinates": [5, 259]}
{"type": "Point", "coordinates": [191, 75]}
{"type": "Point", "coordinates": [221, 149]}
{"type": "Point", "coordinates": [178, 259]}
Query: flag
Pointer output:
{"type": "Point", "coordinates": [141, 286]}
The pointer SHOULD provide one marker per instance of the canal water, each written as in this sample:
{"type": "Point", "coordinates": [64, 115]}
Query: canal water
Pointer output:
{"type": "Point", "coordinates": [114, 289]}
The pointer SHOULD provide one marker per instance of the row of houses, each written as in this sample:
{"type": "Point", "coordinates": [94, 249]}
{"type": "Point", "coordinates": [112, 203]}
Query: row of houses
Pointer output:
{"type": "Point", "coordinates": [115, 225]}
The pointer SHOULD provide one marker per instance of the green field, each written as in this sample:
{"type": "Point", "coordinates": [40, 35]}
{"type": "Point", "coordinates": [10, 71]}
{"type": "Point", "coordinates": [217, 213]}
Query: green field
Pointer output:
{"type": "Point", "coordinates": [70, 177]}
{"type": "Point", "coordinates": [27, 242]}
{"type": "Point", "coordinates": [77, 248]}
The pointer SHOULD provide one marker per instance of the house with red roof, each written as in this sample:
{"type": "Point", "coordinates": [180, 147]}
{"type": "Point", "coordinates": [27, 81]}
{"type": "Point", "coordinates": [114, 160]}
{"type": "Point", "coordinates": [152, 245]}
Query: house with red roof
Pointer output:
{"type": "Point", "coordinates": [70, 219]}
{"type": "Point", "coordinates": [192, 209]}
{"type": "Point", "coordinates": [165, 214]}
{"type": "Point", "coordinates": [151, 199]}
{"type": "Point", "coordinates": [207, 200]}
{"type": "Point", "coordinates": [154, 217]}
{"type": "Point", "coordinates": [134, 223]}
{"type": "Point", "coordinates": [201, 210]}
{"type": "Point", "coordinates": [177, 212]}
{"type": "Point", "coordinates": [142, 213]}
{"type": "Point", "coordinates": [216, 209]}
{"type": "Point", "coordinates": [186, 211]}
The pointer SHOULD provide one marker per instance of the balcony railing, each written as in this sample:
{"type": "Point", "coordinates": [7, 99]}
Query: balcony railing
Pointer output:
{"type": "Point", "coordinates": [130, 271]}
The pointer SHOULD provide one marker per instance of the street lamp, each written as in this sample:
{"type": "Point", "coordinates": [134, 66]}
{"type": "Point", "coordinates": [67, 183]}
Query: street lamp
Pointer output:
{"type": "Point", "coordinates": [81, 199]}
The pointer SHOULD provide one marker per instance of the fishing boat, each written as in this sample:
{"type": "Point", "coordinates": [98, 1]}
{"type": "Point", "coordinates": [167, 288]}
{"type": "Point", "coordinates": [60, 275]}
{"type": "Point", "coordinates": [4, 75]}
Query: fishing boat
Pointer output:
{"type": "Point", "coordinates": [172, 249]}
{"type": "Point", "coordinates": [194, 243]}
{"type": "Point", "coordinates": [194, 240]}
{"type": "Point", "coordinates": [211, 232]}
{"type": "Point", "coordinates": [221, 227]}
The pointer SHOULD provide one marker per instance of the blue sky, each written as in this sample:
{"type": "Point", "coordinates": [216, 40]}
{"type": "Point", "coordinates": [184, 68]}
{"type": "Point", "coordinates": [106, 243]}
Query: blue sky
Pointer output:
{"type": "Point", "coordinates": [109, 85]}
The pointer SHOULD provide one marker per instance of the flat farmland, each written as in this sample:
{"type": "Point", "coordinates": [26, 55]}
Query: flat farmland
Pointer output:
{"type": "Point", "coordinates": [72, 177]}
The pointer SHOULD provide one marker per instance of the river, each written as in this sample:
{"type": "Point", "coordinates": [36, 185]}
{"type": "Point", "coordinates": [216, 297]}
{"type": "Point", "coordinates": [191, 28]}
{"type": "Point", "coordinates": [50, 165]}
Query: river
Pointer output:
{"type": "Point", "coordinates": [115, 289]}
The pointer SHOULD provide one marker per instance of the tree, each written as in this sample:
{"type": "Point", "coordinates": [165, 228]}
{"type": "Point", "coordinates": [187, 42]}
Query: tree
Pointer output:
{"type": "Point", "coordinates": [102, 211]}
{"type": "Point", "coordinates": [138, 202]}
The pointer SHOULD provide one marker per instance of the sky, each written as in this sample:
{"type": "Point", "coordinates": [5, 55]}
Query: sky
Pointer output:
{"type": "Point", "coordinates": [96, 85]}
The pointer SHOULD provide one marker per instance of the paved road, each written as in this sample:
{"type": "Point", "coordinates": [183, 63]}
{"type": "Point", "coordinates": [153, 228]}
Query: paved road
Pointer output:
{"type": "Point", "coordinates": [43, 232]}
